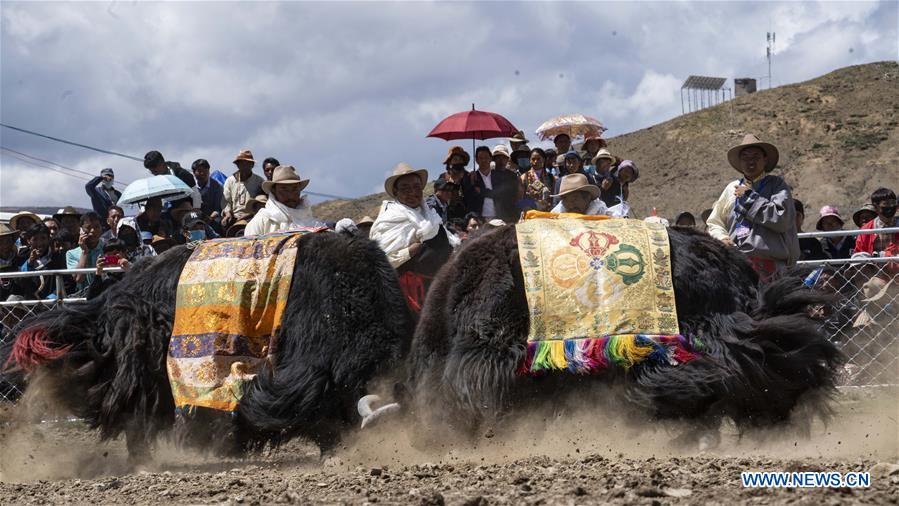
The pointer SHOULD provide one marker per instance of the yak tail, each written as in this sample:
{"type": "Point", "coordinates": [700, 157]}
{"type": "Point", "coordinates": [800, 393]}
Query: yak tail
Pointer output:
{"type": "Point", "coordinates": [52, 335]}
{"type": "Point", "coordinates": [755, 369]}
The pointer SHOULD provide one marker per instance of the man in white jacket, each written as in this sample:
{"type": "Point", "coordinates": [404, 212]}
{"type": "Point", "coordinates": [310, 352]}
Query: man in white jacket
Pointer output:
{"type": "Point", "coordinates": [411, 233]}
{"type": "Point", "coordinates": [285, 209]}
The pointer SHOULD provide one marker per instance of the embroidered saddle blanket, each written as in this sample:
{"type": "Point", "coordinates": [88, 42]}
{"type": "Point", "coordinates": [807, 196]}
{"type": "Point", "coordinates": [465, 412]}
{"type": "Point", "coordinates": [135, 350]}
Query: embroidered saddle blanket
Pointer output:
{"type": "Point", "coordinates": [231, 297]}
{"type": "Point", "coordinates": [599, 293]}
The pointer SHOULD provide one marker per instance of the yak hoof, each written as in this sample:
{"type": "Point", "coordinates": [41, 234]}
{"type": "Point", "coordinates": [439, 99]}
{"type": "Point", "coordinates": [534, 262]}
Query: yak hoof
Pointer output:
{"type": "Point", "coordinates": [369, 415]}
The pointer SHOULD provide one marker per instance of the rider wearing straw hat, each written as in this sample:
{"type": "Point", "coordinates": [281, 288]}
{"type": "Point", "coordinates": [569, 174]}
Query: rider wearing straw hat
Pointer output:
{"type": "Point", "coordinates": [755, 213]}
{"type": "Point", "coordinates": [285, 208]}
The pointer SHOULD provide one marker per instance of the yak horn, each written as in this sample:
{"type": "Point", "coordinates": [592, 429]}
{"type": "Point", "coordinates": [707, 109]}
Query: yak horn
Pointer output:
{"type": "Point", "coordinates": [368, 414]}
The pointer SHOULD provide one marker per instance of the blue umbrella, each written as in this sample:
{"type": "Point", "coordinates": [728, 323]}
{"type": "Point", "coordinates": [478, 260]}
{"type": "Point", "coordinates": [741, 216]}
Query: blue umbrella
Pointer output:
{"type": "Point", "coordinates": [167, 187]}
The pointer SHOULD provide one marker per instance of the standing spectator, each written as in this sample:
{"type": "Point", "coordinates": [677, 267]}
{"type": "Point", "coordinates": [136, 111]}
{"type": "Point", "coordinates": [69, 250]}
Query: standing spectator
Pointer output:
{"type": "Point", "coordinates": [63, 242]}
{"type": "Point", "coordinates": [538, 183]}
{"type": "Point", "coordinates": [102, 192]}
{"type": "Point", "coordinates": [193, 228]}
{"type": "Point", "coordinates": [21, 222]}
{"type": "Point", "coordinates": [829, 220]}
{"type": "Point", "coordinates": [864, 214]}
{"type": "Point", "coordinates": [150, 219]}
{"type": "Point", "coordinates": [156, 164]}
{"type": "Point", "coordinates": [685, 219]}
{"type": "Point", "coordinates": [592, 145]}
{"type": "Point", "coordinates": [10, 261]}
{"type": "Point", "coordinates": [625, 173]}
{"type": "Point", "coordinates": [130, 235]}
{"type": "Point", "coordinates": [52, 226]}
{"type": "Point", "coordinates": [518, 140]}
{"type": "Point", "coordinates": [113, 215]}
{"type": "Point", "coordinates": [41, 256]}
{"type": "Point", "coordinates": [488, 192]}
{"type": "Point", "coordinates": [755, 213]}
{"type": "Point", "coordinates": [445, 201]}
{"type": "Point", "coordinates": [563, 143]}
{"type": "Point", "coordinates": [69, 219]}
{"type": "Point", "coordinates": [286, 208]}
{"type": "Point", "coordinates": [809, 247]}
{"type": "Point", "coordinates": [455, 162]}
{"type": "Point", "coordinates": [211, 192]}
{"type": "Point", "coordinates": [268, 167]}
{"type": "Point", "coordinates": [554, 162]}
{"type": "Point", "coordinates": [520, 159]}
{"type": "Point", "coordinates": [364, 226]}
{"type": "Point", "coordinates": [501, 157]}
{"type": "Point", "coordinates": [884, 202]}
{"type": "Point", "coordinates": [604, 164]}
{"type": "Point", "coordinates": [89, 249]}
{"type": "Point", "coordinates": [240, 187]}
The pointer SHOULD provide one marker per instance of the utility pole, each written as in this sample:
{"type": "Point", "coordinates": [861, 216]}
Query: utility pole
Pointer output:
{"type": "Point", "coordinates": [770, 54]}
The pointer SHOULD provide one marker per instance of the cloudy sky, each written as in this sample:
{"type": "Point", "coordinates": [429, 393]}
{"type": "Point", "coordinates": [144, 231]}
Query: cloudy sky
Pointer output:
{"type": "Point", "coordinates": [344, 91]}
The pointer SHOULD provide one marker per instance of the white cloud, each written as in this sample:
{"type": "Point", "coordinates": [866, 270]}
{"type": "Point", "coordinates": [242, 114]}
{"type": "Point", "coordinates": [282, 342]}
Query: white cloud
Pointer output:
{"type": "Point", "coordinates": [345, 91]}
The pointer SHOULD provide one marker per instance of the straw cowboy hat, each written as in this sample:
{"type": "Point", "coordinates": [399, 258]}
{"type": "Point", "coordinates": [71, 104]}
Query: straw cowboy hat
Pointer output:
{"type": "Point", "coordinates": [750, 140]}
{"type": "Point", "coordinates": [603, 153]}
{"type": "Point", "coordinates": [238, 225]}
{"type": "Point", "coordinates": [519, 137]}
{"type": "Point", "coordinates": [457, 150]}
{"type": "Point", "coordinates": [575, 183]}
{"type": "Point", "coordinates": [24, 214]}
{"type": "Point", "coordinates": [284, 174]}
{"type": "Point", "coordinates": [5, 230]}
{"type": "Point", "coordinates": [404, 169]}
{"type": "Point", "coordinates": [257, 202]}
{"type": "Point", "coordinates": [245, 155]}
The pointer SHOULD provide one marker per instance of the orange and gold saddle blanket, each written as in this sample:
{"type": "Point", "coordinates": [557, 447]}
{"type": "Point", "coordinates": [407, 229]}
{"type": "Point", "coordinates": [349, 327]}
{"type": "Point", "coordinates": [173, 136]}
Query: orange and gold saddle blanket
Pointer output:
{"type": "Point", "coordinates": [231, 297]}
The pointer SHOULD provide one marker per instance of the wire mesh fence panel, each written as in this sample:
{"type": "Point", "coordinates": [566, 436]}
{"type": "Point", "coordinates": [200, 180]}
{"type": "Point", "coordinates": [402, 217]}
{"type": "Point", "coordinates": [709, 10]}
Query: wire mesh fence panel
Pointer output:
{"type": "Point", "coordinates": [863, 320]}
{"type": "Point", "coordinates": [11, 316]}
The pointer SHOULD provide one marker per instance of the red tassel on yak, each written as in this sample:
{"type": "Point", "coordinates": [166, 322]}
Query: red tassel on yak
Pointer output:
{"type": "Point", "coordinates": [31, 349]}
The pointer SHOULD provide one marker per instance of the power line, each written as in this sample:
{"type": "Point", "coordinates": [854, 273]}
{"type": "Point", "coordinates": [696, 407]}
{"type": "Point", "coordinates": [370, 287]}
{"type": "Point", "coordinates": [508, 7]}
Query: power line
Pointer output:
{"type": "Point", "coordinates": [43, 166]}
{"type": "Point", "coordinates": [316, 194]}
{"type": "Point", "coordinates": [85, 146]}
{"type": "Point", "coordinates": [122, 183]}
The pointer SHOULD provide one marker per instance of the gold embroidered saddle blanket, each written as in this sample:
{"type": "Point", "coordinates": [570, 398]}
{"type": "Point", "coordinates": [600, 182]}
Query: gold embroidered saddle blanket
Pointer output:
{"type": "Point", "coordinates": [599, 293]}
{"type": "Point", "coordinates": [231, 297]}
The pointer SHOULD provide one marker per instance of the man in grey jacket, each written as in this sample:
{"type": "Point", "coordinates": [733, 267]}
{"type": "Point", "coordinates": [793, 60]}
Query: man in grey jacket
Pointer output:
{"type": "Point", "coordinates": [755, 213]}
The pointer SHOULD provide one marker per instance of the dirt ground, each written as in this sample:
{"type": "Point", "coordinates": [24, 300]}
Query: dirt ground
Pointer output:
{"type": "Point", "coordinates": [572, 457]}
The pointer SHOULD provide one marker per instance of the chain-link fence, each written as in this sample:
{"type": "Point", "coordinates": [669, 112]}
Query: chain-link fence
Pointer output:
{"type": "Point", "coordinates": [863, 320]}
{"type": "Point", "coordinates": [14, 312]}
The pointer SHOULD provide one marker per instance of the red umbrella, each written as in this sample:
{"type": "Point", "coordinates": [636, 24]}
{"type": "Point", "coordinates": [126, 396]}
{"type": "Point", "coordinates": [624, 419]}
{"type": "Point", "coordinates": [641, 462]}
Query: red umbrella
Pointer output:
{"type": "Point", "coordinates": [473, 125]}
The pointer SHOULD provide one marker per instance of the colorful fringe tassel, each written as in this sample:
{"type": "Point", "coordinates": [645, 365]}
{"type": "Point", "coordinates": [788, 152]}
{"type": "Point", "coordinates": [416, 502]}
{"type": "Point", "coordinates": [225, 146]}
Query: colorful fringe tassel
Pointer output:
{"type": "Point", "coordinates": [592, 355]}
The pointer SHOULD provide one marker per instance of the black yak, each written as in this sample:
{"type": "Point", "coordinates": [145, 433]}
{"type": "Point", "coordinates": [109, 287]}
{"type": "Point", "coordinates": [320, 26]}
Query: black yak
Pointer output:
{"type": "Point", "coordinates": [762, 352]}
{"type": "Point", "coordinates": [345, 321]}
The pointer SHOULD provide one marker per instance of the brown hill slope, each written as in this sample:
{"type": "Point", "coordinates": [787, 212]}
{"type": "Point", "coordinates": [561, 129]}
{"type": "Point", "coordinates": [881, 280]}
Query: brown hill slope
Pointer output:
{"type": "Point", "coordinates": [838, 137]}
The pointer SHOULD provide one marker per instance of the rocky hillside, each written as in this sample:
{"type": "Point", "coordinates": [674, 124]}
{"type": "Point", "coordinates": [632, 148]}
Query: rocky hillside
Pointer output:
{"type": "Point", "coordinates": [838, 137]}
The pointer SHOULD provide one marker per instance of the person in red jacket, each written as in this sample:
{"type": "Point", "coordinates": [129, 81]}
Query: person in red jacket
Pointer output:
{"type": "Point", "coordinates": [884, 201]}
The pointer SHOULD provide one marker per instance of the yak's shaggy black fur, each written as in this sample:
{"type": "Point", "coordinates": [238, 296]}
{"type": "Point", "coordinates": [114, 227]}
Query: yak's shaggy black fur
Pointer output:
{"type": "Point", "coordinates": [345, 322]}
{"type": "Point", "coordinates": [762, 351]}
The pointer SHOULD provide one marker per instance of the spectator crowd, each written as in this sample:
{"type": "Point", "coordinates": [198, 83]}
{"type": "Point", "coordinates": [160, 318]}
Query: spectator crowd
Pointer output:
{"type": "Point", "coordinates": [755, 213]}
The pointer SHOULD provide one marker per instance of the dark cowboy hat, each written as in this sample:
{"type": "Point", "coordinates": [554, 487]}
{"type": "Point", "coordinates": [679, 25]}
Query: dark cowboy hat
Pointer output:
{"type": "Point", "coordinates": [749, 141]}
